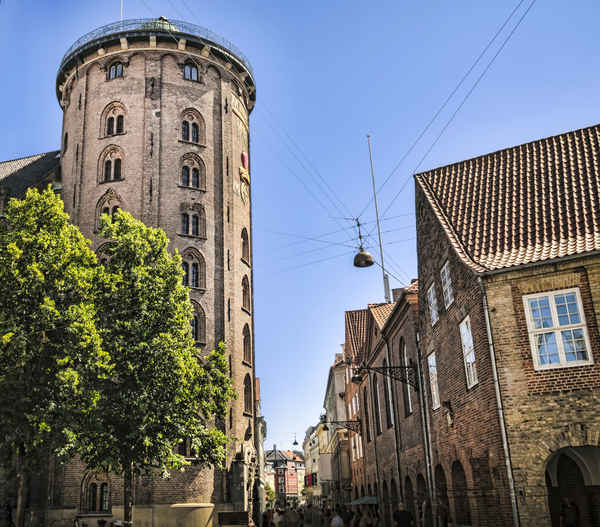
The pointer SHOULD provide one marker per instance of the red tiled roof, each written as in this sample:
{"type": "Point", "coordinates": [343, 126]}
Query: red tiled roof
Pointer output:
{"type": "Point", "coordinates": [381, 312]}
{"type": "Point", "coordinates": [524, 204]}
{"type": "Point", "coordinates": [356, 331]}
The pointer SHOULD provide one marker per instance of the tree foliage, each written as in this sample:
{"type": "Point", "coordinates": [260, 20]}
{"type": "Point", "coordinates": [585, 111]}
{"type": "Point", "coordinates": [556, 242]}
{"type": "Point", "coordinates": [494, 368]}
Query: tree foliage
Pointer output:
{"type": "Point", "coordinates": [162, 389]}
{"type": "Point", "coordinates": [50, 348]}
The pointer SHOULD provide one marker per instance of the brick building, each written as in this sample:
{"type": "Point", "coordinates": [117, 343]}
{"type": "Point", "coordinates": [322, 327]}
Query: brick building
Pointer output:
{"type": "Point", "coordinates": [508, 247]}
{"type": "Point", "coordinates": [156, 121]}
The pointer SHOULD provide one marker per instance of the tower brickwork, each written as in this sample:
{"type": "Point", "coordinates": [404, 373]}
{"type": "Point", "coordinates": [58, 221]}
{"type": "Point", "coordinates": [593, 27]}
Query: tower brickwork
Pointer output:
{"type": "Point", "coordinates": [156, 122]}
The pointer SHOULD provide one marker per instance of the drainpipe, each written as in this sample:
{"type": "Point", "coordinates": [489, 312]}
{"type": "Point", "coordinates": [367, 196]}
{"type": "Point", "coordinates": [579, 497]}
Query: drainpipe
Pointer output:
{"type": "Point", "coordinates": [426, 429]}
{"type": "Point", "coordinates": [370, 385]}
{"type": "Point", "coordinates": [396, 422]}
{"type": "Point", "coordinates": [509, 471]}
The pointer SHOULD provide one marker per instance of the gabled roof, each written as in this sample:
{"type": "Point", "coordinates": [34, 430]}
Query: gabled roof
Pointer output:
{"type": "Point", "coordinates": [381, 312]}
{"type": "Point", "coordinates": [356, 330]}
{"type": "Point", "coordinates": [17, 175]}
{"type": "Point", "coordinates": [523, 204]}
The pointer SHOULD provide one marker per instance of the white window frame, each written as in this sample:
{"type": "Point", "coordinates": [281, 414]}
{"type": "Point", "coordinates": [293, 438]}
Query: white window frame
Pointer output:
{"type": "Point", "coordinates": [447, 290]}
{"type": "Point", "coordinates": [557, 329]}
{"type": "Point", "coordinates": [407, 393]}
{"type": "Point", "coordinates": [433, 381]}
{"type": "Point", "coordinates": [432, 303]}
{"type": "Point", "coordinates": [468, 350]}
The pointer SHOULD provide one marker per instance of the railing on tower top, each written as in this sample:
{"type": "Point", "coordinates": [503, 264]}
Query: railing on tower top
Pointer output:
{"type": "Point", "coordinates": [153, 25]}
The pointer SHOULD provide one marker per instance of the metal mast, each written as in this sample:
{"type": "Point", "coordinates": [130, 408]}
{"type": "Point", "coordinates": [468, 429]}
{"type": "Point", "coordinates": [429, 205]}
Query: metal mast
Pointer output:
{"type": "Point", "coordinates": [386, 280]}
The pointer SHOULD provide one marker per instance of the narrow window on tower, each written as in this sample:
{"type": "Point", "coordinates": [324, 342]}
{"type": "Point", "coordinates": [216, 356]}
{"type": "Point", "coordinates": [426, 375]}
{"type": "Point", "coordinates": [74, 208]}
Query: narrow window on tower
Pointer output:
{"type": "Point", "coordinates": [110, 126]}
{"type": "Point", "coordinates": [195, 275]}
{"type": "Point", "coordinates": [185, 176]}
{"type": "Point", "coordinates": [107, 170]}
{"type": "Point", "coordinates": [117, 172]}
{"type": "Point", "coordinates": [114, 211]}
{"type": "Point", "coordinates": [185, 131]}
{"type": "Point", "coordinates": [228, 266]}
{"type": "Point", "coordinates": [120, 124]}
{"type": "Point", "coordinates": [186, 273]}
{"type": "Point", "coordinates": [228, 309]}
{"type": "Point", "coordinates": [194, 133]}
{"type": "Point", "coordinates": [79, 102]}
{"type": "Point", "coordinates": [195, 178]}
{"type": "Point", "coordinates": [185, 223]}
{"type": "Point", "coordinates": [195, 225]}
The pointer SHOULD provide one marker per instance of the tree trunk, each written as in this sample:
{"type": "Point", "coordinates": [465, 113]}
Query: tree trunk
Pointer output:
{"type": "Point", "coordinates": [21, 488]}
{"type": "Point", "coordinates": [127, 495]}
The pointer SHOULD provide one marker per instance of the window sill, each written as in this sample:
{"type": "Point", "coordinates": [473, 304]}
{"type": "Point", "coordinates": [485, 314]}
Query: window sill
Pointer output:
{"type": "Point", "coordinates": [104, 181]}
{"type": "Point", "coordinates": [248, 414]}
{"type": "Point", "coordinates": [192, 143]}
{"type": "Point", "coordinates": [243, 260]}
{"type": "Point", "coordinates": [199, 289]}
{"type": "Point", "coordinates": [563, 365]}
{"type": "Point", "coordinates": [113, 135]}
{"type": "Point", "coordinates": [246, 310]}
{"type": "Point", "coordinates": [192, 188]}
{"type": "Point", "coordinates": [204, 238]}
{"type": "Point", "coordinates": [472, 386]}
{"type": "Point", "coordinates": [246, 363]}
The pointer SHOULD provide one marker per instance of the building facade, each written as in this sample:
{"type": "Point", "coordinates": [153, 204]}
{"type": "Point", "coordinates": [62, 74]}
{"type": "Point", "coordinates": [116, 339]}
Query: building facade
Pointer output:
{"type": "Point", "coordinates": [285, 469]}
{"type": "Point", "coordinates": [156, 122]}
{"type": "Point", "coordinates": [508, 266]}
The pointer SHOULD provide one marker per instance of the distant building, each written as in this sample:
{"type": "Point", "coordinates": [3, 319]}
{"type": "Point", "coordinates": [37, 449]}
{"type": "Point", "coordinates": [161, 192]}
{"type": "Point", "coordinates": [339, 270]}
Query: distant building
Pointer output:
{"type": "Point", "coordinates": [284, 468]}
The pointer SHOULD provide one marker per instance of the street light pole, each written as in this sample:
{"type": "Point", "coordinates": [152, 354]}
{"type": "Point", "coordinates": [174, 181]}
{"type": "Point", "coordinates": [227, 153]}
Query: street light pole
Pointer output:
{"type": "Point", "coordinates": [386, 281]}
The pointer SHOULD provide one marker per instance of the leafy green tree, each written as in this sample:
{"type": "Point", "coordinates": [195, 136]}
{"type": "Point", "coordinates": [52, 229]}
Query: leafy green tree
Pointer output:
{"type": "Point", "coordinates": [163, 389]}
{"type": "Point", "coordinates": [50, 349]}
{"type": "Point", "coordinates": [270, 494]}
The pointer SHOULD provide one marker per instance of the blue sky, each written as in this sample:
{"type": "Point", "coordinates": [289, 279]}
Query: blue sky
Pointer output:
{"type": "Point", "coordinates": [328, 73]}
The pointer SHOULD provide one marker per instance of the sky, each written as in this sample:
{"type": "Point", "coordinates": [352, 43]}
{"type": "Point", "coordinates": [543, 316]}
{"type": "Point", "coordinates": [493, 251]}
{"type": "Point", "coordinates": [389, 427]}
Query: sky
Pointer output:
{"type": "Point", "coordinates": [327, 74]}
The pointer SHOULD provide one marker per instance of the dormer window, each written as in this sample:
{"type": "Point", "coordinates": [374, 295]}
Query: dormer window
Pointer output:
{"type": "Point", "coordinates": [115, 70]}
{"type": "Point", "coordinates": [190, 72]}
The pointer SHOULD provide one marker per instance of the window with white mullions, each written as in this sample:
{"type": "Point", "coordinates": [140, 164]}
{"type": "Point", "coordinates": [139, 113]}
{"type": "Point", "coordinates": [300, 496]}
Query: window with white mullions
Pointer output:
{"type": "Point", "coordinates": [433, 381]}
{"type": "Point", "coordinates": [432, 301]}
{"type": "Point", "coordinates": [466, 338]}
{"type": "Point", "coordinates": [447, 290]}
{"type": "Point", "coordinates": [557, 329]}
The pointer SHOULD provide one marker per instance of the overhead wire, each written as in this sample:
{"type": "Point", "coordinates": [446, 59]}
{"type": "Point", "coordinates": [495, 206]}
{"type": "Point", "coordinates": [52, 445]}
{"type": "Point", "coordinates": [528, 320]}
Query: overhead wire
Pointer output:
{"type": "Point", "coordinates": [445, 103]}
{"type": "Point", "coordinates": [462, 103]}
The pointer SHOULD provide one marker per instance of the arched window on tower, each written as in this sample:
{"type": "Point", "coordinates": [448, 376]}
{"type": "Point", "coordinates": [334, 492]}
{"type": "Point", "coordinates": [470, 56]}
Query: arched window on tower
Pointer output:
{"type": "Point", "coordinates": [198, 324]}
{"type": "Point", "coordinates": [111, 164]}
{"type": "Point", "coordinates": [246, 304]}
{"type": "Point", "coordinates": [248, 394]}
{"type": "Point", "coordinates": [193, 220]}
{"type": "Point", "coordinates": [190, 72]}
{"type": "Point", "coordinates": [247, 345]}
{"type": "Point", "coordinates": [115, 70]}
{"type": "Point", "coordinates": [113, 119]}
{"type": "Point", "coordinates": [245, 246]}
{"type": "Point", "coordinates": [192, 165]}
{"type": "Point", "coordinates": [192, 119]}
{"type": "Point", "coordinates": [194, 269]}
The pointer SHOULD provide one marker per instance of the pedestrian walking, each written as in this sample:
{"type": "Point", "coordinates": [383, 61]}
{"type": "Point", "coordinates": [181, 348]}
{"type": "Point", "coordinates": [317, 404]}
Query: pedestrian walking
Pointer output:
{"type": "Point", "coordinates": [337, 520]}
{"type": "Point", "coordinates": [403, 517]}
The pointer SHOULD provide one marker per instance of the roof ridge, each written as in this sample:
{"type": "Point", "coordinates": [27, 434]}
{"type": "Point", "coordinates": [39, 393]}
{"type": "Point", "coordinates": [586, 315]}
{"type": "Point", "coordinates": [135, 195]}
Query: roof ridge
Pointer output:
{"type": "Point", "coordinates": [507, 148]}
{"type": "Point", "coordinates": [28, 157]}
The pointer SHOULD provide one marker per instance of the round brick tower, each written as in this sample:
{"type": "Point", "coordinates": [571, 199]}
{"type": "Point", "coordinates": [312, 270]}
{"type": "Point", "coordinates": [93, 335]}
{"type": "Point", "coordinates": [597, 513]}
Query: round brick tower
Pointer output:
{"type": "Point", "coordinates": [156, 123]}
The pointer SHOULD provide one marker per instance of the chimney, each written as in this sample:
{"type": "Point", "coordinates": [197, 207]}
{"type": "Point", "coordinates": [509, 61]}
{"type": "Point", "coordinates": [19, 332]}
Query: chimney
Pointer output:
{"type": "Point", "coordinates": [397, 293]}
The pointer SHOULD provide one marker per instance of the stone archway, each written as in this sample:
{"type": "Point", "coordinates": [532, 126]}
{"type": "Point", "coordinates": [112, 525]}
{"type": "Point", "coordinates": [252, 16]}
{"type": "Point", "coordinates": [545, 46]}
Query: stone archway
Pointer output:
{"type": "Point", "coordinates": [573, 484]}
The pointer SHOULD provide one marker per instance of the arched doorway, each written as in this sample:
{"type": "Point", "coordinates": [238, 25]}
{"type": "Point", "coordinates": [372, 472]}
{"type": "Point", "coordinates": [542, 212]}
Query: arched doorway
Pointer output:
{"type": "Point", "coordinates": [441, 492]}
{"type": "Point", "coordinates": [423, 507]}
{"type": "Point", "coordinates": [385, 498]}
{"type": "Point", "coordinates": [462, 509]}
{"type": "Point", "coordinates": [409, 494]}
{"type": "Point", "coordinates": [573, 482]}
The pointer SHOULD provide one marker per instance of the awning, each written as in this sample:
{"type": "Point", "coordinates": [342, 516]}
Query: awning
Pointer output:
{"type": "Point", "coordinates": [365, 500]}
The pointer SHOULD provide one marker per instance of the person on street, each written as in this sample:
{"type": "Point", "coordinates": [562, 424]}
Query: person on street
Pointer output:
{"type": "Point", "coordinates": [402, 517]}
{"type": "Point", "coordinates": [337, 520]}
